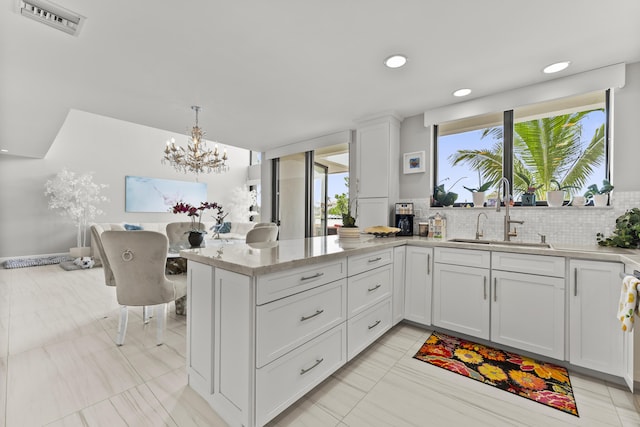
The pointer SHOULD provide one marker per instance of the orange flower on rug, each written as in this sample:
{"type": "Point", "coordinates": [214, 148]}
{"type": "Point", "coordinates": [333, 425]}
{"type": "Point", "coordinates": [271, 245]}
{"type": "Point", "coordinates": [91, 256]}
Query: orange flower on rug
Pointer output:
{"type": "Point", "coordinates": [542, 382]}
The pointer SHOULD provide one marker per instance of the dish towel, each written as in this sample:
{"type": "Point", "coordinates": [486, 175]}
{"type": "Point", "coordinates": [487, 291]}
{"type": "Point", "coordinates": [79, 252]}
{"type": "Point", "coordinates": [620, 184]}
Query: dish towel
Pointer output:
{"type": "Point", "coordinates": [628, 305]}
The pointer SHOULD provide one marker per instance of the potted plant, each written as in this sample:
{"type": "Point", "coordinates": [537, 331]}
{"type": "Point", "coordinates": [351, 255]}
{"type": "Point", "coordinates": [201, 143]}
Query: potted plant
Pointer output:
{"type": "Point", "coordinates": [479, 193]}
{"type": "Point", "coordinates": [196, 234]}
{"type": "Point", "coordinates": [76, 196]}
{"type": "Point", "coordinates": [555, 198]}
{"type": "Point", "coordinates": [444, 197]}
{"type": "Point", "coordinates": [600, 196]}
{"type": "Point", "coordinates": [626, 233]}
{"type": "Point", "coordinates": [528, 197]}
{"type": "Point", "coordinates": [349, 227]}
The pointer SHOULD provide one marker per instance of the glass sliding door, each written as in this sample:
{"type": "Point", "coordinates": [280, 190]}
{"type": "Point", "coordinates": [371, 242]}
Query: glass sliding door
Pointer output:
{"type": "Point", "coordinates": [311, 191]}
{"type": "Point", "coordinates": [291, 193]}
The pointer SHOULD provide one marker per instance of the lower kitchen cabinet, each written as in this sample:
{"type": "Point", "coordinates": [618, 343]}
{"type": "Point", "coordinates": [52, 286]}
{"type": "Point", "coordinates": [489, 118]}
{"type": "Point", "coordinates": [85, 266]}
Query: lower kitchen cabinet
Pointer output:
{"type": "Point", "coordinates": [527, 312]}
{"type": "Point", "coordinates": [399, 255]}
{"type": "Point", "coordinates": [418, 285]}
{"type": "Point", "coordinates": [461, 299]}
{"type": "Point", "coordinates": [596, 338]}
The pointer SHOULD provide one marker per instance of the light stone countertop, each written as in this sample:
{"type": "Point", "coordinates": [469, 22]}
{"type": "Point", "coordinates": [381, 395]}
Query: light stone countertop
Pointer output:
{"type": "Point", "coordinates": [255, 259]}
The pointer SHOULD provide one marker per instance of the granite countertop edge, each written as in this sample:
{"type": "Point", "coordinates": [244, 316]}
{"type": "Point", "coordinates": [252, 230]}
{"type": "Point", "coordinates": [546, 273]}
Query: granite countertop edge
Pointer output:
{"type": "Point", "coordinates": [252, 265]}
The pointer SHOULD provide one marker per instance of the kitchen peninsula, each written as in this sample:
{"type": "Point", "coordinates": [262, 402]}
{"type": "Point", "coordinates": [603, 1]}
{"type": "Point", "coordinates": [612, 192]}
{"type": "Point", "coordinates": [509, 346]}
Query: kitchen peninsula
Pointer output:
{"type": "Point", "coordinates": [267, 322]}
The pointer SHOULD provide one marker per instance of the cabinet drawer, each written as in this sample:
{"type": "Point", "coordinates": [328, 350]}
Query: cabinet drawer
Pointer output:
{"type": "Point", "coordinates": [361, 263]}
{"type": "Point", "coordinates": [368, 288]}
{"type": "Point", "coordinates": [287, 323]}
{"type": "Point", "coordinates": [273, 286]}
{"type": "Point", "coordinates": [288, 378]}
{"type": "Point", "coordinates": [543, 265]}
{"type": "Point", "coordinates": [368, 326]}
{"type": "Point", "coordinates": [468, 257]}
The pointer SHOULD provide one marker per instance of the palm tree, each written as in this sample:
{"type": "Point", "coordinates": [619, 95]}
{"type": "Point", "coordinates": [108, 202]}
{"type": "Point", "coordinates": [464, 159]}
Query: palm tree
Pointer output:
{"type": "Point", "coordinates": [546, 151]}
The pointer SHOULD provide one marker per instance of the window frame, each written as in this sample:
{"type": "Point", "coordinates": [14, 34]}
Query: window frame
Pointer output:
{"type": "Point", "coordinates": [508, 153]}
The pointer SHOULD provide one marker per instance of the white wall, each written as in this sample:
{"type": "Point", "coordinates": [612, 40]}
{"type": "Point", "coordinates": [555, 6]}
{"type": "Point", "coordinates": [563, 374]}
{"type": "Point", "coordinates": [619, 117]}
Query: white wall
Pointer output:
{"type": "Point", "coordinates": [111, 149]}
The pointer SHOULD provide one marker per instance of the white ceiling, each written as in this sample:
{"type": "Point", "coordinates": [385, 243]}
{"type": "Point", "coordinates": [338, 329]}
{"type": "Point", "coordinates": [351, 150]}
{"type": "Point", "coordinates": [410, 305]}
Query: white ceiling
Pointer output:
{"type": "Point", "coordinates": [270, 73]}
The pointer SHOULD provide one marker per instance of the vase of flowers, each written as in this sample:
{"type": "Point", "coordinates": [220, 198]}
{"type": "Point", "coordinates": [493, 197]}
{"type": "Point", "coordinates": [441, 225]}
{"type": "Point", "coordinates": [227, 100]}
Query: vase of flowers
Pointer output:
{"type": "Point", "coordinates": [196, 234]}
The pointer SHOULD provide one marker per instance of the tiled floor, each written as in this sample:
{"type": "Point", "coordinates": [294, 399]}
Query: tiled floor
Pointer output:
{"type": "Point", "coordinates": [59, 366]}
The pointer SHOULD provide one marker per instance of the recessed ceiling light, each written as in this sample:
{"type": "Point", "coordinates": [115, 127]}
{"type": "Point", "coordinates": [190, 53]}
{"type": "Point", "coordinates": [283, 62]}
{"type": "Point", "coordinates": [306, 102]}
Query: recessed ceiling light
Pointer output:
{"type": "Point", "coordinates": [554, 68]}
{"type": "Point", "coordinates": [462, 92]}
{"type": "Point", "coordinates": [395, 61]}
{"type": "Point", "coordinates": [4, 150]}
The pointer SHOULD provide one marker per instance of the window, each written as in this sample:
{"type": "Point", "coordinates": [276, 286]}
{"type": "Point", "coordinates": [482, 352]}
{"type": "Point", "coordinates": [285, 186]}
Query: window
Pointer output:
{"type": "Point", "coordinates": [553, 145]}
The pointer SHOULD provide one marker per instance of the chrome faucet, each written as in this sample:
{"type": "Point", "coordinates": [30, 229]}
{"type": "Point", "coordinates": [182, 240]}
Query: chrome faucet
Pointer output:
{"type": "Point", "coordinates": [479, 233]}
{"type": "Point", "coordinates": [508, 234]}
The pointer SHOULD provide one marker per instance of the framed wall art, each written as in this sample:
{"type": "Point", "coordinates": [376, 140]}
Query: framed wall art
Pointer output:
{"type": "Point", "coordinates": [144, 194]}
{"type": "Point", "coordinates": [414, 162]}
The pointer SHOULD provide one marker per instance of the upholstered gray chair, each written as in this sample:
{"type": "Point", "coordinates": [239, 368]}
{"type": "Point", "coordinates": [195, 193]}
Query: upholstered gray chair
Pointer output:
{"type": "Point", "coordinates": [262, 233]}
{"type": "Point", "coordinates": [96, 232]}
{"type": "Point", "coordinates": [137, 260]}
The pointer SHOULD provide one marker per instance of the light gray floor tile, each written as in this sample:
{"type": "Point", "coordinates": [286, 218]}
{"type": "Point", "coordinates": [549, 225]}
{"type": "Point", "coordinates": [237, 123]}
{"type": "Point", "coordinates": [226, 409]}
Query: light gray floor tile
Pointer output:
{"type": "Point", "coordinates": [59, 366]}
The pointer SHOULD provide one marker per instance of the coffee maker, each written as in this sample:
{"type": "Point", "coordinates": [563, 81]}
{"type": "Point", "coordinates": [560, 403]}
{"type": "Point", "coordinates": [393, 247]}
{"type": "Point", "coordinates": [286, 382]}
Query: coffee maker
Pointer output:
{"type": "Point", "coordinates": [404, 219]}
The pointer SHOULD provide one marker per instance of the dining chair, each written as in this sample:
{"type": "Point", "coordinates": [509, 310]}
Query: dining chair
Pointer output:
{"type": "Point", "coordinates": [262, 233]}
{"type": "Point", "coordinates": [96, 233]}
{"type": "Point", "coordinates": [137, 260]}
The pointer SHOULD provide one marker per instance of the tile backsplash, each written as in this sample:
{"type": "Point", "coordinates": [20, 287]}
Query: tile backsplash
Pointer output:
{"type": "Point", "coordinates": [564, 225]}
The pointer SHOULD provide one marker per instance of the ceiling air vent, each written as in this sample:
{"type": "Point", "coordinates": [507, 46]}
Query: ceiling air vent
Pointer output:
{"type": "Point", "coordinates": [52, 15]}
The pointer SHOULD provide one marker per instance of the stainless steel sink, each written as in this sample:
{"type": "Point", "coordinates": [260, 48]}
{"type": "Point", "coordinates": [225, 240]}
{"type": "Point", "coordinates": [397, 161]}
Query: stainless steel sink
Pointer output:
{"type": "Point", "coordinates": [502, 243]}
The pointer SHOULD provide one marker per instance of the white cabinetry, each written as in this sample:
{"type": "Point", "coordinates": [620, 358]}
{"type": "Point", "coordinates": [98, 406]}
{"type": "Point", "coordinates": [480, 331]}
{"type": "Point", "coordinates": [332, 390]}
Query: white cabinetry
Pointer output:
{"type": "Point", "coordinates": [377, 169]}
{"type": "Point", "coordinates": [370, 285]}
{"type": "Point", "coordinates": [521, 308]}
{"type": "Point", "coordinates": [527, 310]}
{"type": "Point", "coordinates": [461, 294]}
{"type": "Point", "coordinates": [596, 339]}
{"type": "Point", "coordinates": [461, 299]}
{"type": "Point", "coordinates": [418, 284]}
{"type": "Point", "coordinates": [399, 255]}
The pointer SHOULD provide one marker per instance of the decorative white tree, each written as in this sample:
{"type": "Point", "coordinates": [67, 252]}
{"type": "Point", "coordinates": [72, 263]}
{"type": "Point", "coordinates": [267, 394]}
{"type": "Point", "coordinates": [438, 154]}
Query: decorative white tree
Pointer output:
{"type": "Point", "coordinates": [240, 202]}
{"type": "Point", "coordinates": [77, 196]}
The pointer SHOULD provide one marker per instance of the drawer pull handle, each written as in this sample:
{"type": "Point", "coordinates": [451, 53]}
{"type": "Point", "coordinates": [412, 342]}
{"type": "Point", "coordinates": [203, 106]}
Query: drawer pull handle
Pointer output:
{"type": "Point", "coordinates": [315, 276]}
{"type": "Point", "coordinates": [317, 313]}
{"type": "Point", "coordinates": [304, 371]}
{"type": "Point", "coordinates": [374, 288]}
{"type": "Point", "coordinates": [375, 259]}
{"type": "Point", "coordinates": [374, 325]}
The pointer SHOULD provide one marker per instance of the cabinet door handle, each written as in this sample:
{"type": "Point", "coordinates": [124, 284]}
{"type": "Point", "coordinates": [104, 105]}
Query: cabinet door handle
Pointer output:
{"type": "Point", "coordinates": [428, 264]}
{"type": "Point", "coordinates": [485, 287]}
{"type": "Point", "coordinates": [315, 276]}
{"type": "Point", "coordinates": [317, 313]}
{"type": "Point", "coordinates": [575, 282]}
{"type": "Point", "coordinates": [495, 289]}
{"type": "Point", "coordinates": [376, 259]}
{"type": "Point", "coordinates": [377, 322]}
{"type": "Point", "coordinates": [304, 371]}
{"type": "Point", "coordinates": [374, 288]}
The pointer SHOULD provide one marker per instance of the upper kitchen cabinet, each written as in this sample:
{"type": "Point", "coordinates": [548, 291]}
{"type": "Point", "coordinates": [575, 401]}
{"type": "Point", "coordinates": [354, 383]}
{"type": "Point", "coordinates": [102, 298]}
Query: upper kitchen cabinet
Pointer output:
{"type": "Point", "coordinates": [378, 158]}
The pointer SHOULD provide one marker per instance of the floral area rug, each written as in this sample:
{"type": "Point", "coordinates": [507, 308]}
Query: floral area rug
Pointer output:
{"type": "Point", "coordinates": [542, 382]}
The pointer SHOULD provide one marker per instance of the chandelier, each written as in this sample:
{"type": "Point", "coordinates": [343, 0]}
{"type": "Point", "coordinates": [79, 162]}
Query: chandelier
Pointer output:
{"type": "Point", "coordinates": [197, 157]}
